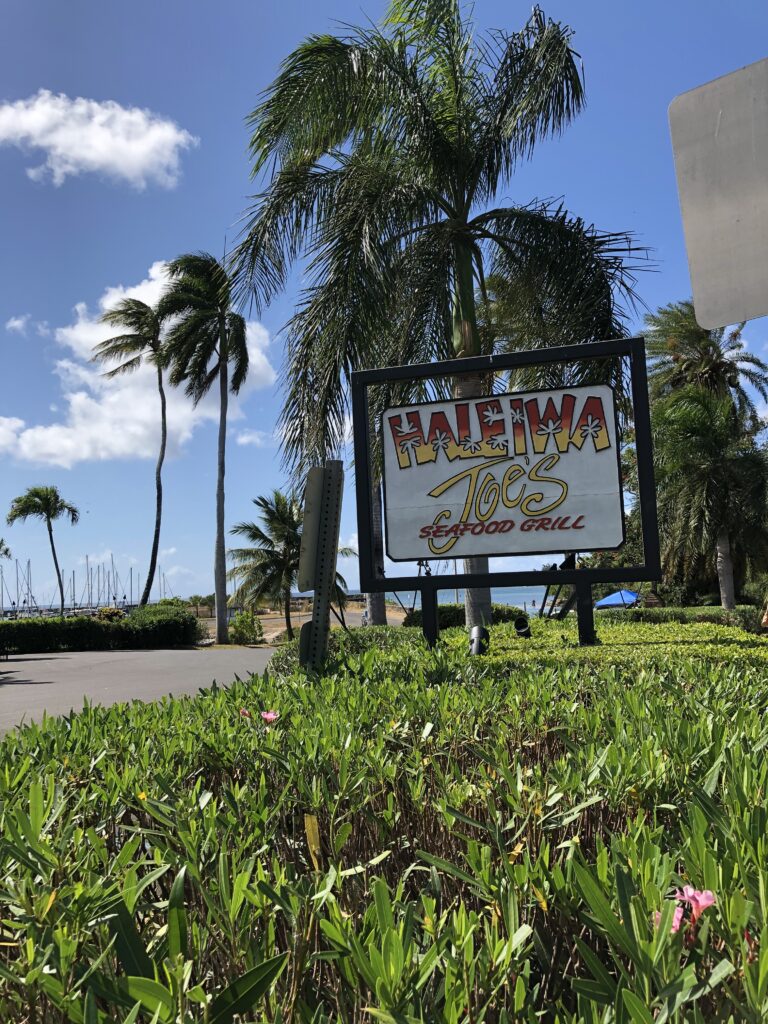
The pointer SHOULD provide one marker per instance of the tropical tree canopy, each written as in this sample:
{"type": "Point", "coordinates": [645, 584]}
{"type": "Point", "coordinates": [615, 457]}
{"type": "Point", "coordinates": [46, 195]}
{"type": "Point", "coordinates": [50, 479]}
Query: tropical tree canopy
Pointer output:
{"type": "Point", "coordinates": [47, 504]}
{"type": "Point", "coordinates": [683, 353]}
{"type": "Point", "coordinates": [386, 149]}
{"type": "Point", "coordinates": [205, 333]}
{"type": "Point", "coordinates": [712, 479]}
{"type": "Point", "coordinates": [141, 338]}
{"type": "Point", "coordinates": [44, 503]}
{"type": "Point", "coordinates": [269, 566]}
{"type": "Point", "coordinates": [5, 551]}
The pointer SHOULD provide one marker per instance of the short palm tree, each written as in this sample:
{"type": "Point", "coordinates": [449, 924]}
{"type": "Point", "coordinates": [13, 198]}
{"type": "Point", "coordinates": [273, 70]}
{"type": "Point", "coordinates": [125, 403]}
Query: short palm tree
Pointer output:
{"type": "Point", "coordinates": [387, 149]}
{"type": "Point", "coordinates": [47, 504]}
{"type": "Point", "coordinates": [712, 480]}
{"type": "Point", "coordinates": [270, 567]}
{"type": "Point", "coordinates": [683, 353]}
{"type": "Point", "coordinates": [206, 345]}
{"type": "Point", "coordinates": [140, 341]}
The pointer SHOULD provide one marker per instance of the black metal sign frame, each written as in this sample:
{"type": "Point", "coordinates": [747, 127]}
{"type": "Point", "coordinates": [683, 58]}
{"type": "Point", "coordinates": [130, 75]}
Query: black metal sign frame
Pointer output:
{"type": "Point", "coordinates": [373, 581]}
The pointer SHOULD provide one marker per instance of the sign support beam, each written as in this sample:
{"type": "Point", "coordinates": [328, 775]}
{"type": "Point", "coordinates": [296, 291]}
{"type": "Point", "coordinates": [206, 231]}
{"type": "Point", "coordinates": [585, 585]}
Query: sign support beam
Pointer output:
{"type": "Point", "coordinates": [317, 561]}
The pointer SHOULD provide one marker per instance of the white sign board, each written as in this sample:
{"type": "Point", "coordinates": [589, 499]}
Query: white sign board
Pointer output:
{"type": "Point", "coordinates": [720, 139]}
{"type": "Point", "coordinates": [514, 474]}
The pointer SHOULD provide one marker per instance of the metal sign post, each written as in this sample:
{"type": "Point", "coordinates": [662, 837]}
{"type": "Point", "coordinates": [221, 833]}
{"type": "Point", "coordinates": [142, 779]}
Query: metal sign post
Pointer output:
{"type": "Point", "coordinates": [516, 448]}
{"type": "Point", "coordinates": [317, 560]}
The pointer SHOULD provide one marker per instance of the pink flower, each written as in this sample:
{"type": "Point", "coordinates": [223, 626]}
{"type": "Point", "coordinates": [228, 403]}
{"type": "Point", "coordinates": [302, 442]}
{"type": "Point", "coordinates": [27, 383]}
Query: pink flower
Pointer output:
{"type": "Point", "coordinates": [677, 919]}
{"type": "Point", "coordinates": [270, 716]}
{"type": "Point", "coordinates": [244, 713]}
{"type": "Point", "coordinates": [699, 900]}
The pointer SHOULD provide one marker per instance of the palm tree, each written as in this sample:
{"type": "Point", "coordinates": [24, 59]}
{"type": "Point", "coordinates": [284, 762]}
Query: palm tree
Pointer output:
{"type": "Point", "coordinates": [141, 341]}
{"type": "Point", "coordinates": [47, 504]}
{"type": "Point", "coordinates": [387, 148]}
{"type": "Point", "coordinates": [206, 339]}
{"type": "Point", "coordinates": [683, 353]}
{"type": "Point", "coordinates": [196, 600]}
{"type": "Point", "coordinates": [5, 551]}
{"type": "Point", "coordinates": [269, 567]}
{"type": "Point", "coordinates": [712, 480]}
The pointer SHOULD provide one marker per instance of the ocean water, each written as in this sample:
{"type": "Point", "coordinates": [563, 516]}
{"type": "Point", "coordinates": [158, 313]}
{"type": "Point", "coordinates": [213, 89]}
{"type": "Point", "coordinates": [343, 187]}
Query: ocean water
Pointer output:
{"type": "Point", "coordinates": [527, 598]}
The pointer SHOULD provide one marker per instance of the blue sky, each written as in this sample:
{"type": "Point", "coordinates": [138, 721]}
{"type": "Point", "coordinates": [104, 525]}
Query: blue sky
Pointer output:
{"type": "Point", "coordinates": [122, 144]}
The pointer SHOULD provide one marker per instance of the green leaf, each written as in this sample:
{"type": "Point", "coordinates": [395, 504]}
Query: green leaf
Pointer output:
{"type": "Point", "coordinates": [450, 869]}
{"type": "Point", "coordinates": [342, 835]}
{"type": "Point", "coordinates": [383, 905]}
{"type": "Point", "coordinates": [36, 808]}
{"type": "Point", "coordinates": [275, 897]}
{"type": "Point", "coordinates": [130, 949]}
{"type": "Point", "coordinates": [90, 1011]}
{"type": "Point", "coordinates": [152, 995]}
{"type": "Point", "coordinates": [177, 918]}
{"type": "Point", "coordinates": [637, 1009]}
{"type": "Point", "coordinates": [243, 994]}
{"type": "Point", "coordinates": [602, 910]}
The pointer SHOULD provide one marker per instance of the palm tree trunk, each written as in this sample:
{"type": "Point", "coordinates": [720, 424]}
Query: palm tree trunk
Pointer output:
{"type": "Point", "coordinates": [220, 557]}
{"type": "Point", "coordinates": [158, 491]}
{"type": "Point", "coordinates": [466, 342]}
{"type": "Point", "coordinates": [56, 564]}
{"type": "Point", "coordinates": [287, 609]}
{"type": "Point", "coordinates": [376, 604]}
{"type": "Point", "coordinates": [725, 571]}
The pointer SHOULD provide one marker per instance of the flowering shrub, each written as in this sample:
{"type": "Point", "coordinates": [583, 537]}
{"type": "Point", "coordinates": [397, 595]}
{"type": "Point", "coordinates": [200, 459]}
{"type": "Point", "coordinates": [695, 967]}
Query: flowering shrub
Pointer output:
{"type": "Point", "coordinates": [417, 836]}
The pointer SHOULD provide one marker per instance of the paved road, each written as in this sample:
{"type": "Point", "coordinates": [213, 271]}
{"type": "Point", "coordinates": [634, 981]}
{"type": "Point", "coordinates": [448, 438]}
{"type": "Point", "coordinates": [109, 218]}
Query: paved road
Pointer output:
{"type": "Point", "coordinates": [57, 683]}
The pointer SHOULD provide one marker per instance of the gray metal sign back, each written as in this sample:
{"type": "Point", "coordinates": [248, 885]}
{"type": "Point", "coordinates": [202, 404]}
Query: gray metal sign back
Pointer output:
{"type": "Point", "coordinates": [720, 139]}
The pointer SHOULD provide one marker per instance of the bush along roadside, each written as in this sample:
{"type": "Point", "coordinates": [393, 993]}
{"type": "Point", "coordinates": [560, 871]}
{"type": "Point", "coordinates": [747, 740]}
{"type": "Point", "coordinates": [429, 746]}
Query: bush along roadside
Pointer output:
{"type": "Point", "coordinates": [142, 629]}
{"type": "Point", "coordinates": [411, 836]}
{"type": "Point", "coordinates": [452, 615]}
{"type": "Point", "coordinates": [744, 615]}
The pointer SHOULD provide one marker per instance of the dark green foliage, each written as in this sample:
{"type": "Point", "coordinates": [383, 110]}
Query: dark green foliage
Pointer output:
{"type": "Point", "coordinates": [245, 628]}
{"type": "Point", "coordinates": [419, 837]}
{"type": "Point", "coordinates": [144, 628]}
{"type": "Point", "coordinates": [341, 645]}
{"type": "Point", "coordinates": [450, 615]}
{"type": "Point", "coordinates": [746, 616]}
{"type": "Point", "coordinates": [390, 153]}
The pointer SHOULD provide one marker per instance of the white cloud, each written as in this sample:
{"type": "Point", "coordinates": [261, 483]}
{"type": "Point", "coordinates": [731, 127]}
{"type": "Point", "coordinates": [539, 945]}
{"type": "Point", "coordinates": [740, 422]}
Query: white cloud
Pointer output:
{"type": "Point", "coordinates": [167, 552]}
{"type": "Point", "coordinates": [18, 324]}
{"type": "Point", "coordinates": [9, 431]}
{"type": "Point", "coordinates": [119, 418]}
{"type": "Point", "coordinates": [81, 135]}
{"type": "Point", "coordinates": [256, 438]}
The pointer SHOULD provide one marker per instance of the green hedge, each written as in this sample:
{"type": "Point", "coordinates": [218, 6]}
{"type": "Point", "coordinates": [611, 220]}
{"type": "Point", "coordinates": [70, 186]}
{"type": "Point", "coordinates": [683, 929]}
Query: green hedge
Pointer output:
{"type": "Point", "coordinates": [746, 616]}
{"type": "Point", "coordinates": [450, 615]}
{"type": "Point", "coordinates": [142, 629]}
{"type": "Point", "coordinates": [426, 835]}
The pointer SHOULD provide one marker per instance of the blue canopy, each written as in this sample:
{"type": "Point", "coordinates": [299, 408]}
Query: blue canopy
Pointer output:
{"type": "Point", "coordinates": [621, 599]}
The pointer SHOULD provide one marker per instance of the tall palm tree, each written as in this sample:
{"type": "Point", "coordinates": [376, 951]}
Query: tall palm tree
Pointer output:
{"type": "Point", "coordinates": [206, 341]}
{"type": "Point", "coordinates": [683, 353]}
{"type": "Point", "coordinates": [270, 567]}
{"type": "Point", "coordinates": [47, 504]}
{"type": "Point", "coordinates": [5, 551]}
{"type": "Point", "coordinates": [712, 480]}
{"type": "Point", "coordinates": [387, 148]}
{"type": "Point", "coordinates": [141, 341]}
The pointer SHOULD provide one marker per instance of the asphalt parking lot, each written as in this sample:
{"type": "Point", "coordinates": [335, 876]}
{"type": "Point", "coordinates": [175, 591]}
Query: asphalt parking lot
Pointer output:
{"type": "Point", "coordinates": [31, 684]}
